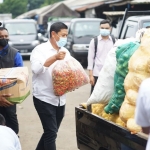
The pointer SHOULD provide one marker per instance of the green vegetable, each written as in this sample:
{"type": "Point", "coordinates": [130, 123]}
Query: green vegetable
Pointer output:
{"type": "Point", "coordinates": [123, 54]}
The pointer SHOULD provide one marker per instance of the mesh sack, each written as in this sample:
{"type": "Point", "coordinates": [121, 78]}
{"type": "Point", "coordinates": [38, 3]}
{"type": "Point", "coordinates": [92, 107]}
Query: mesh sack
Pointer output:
{"type": "Point", "coordinates": [123, 55]}
{"type": "Point", "coordinates": [68, 75]}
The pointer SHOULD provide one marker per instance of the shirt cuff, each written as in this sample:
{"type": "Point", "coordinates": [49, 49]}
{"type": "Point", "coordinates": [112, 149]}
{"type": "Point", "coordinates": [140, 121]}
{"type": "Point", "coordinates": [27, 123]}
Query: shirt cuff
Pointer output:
{"type": "Point", "coordinates": [90, 68]}
{"type": "Point", "coordinates": [44, 68]}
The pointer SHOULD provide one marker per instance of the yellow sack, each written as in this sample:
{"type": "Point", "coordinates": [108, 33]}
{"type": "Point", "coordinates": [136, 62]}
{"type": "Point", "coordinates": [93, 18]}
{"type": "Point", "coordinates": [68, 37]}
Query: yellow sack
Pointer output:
{"type": "Point", "coordinates": [126, 111]}
{"type": "Point", "coordinates": [97, 109]}
{"type": "Point", "coordinates": [109, 117]}
{"type": "Point", "coordinates": [120, 122]}
{"type": "Point", "coordinates": [133, 127]}
{"type": "Point", "coordinates": [139, 70]}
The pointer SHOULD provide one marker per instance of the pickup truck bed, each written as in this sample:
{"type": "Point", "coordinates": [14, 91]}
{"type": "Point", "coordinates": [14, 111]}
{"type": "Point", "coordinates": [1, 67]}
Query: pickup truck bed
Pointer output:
{"type": "Point", "coordinates": [96, 133]}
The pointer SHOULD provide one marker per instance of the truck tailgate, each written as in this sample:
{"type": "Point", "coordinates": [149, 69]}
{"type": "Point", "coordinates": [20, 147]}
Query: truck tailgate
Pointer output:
{"type": "Point", "coordinates": [96, 133]}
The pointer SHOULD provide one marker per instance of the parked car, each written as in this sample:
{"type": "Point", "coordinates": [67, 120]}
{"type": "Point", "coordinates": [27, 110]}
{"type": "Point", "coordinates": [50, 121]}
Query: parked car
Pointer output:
{"type": "Point", "coordinates": [131, 26]}
{"type": "Point", "coordinates": [23, 34]}
{"type": "Point", "coordinates": [80, 33]}
{"type": "Point", "coordinates": [116, 30]}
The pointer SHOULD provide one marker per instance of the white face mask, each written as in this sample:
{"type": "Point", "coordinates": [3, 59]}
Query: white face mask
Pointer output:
{"type": "Point", "coordinates": [62, 41]}
{"type": "Point", "coordinates": [104, 32]}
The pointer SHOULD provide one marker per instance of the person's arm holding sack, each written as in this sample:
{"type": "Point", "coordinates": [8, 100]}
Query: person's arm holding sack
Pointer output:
{"type": "Point", "coordinates": [91, 61]}
{"type": "Point", "coordinates": [59, 56]}
{"type": "Point", "coordinates": [39, 64]}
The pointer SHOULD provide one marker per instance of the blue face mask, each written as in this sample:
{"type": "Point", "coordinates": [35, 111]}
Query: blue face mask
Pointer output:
{"type": "Point", "coordinates": [104, 32]}
{"type": "Point", "coordinates": [62, 42]}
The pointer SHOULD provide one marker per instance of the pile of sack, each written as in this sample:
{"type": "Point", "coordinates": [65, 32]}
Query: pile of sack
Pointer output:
{"type": "Point", "coordinates": [115, 92]}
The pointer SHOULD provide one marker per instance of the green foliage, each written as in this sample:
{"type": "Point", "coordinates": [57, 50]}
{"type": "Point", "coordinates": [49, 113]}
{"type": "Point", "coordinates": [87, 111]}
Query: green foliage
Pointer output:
{"type": "Point", "coordinates": [33, 4]}
{"type": "Point", "coordinates": [16, 7]}
{"type": "Point", "coordinates": [48, 2]}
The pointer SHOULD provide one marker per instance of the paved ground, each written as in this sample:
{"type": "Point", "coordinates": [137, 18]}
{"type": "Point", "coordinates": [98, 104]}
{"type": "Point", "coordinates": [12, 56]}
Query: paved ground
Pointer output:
{"type": "Point", "coordinates": [30, 126]}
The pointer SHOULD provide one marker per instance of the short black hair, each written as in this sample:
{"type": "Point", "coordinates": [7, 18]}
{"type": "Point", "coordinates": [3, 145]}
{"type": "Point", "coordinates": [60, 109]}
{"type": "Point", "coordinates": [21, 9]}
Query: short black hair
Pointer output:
{"type": "Point", "coordinates": [148, 27]}
{"type": "Point", "coordinates": [2, 120]}
{"type": "Point", "coordinates": [105, 21]}
{"type": "Point", "coordinates": [3, 28]}
{"type": "Point", "coordinates": [57, 26]}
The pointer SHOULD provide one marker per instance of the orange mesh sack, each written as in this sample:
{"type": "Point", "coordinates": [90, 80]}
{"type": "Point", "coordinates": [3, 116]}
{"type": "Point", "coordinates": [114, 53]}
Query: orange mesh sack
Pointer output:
{"type": "Point", "coordinates": [68, 75]}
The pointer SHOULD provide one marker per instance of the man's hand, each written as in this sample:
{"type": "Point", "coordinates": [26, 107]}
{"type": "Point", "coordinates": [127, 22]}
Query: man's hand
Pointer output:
{"type": "Point", "coordinates": [4, 102]}
{"type": "Point", "coordinates": [92, 80]}
{"type": "Point", "coordinates": [60, 55]}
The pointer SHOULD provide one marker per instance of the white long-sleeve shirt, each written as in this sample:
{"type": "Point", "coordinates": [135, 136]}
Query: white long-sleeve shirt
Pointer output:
{"type": "Point", "coordinates": [8, 139]}
{"type": "Point", "coordinates": [42, 76]}
{"type": "Point", "coordinates": [103, 47]}
{"type": "Point", "coordinates": [142, 115]}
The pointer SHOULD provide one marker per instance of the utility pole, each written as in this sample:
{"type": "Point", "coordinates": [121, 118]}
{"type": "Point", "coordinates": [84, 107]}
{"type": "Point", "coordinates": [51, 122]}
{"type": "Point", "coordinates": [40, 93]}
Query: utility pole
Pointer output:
{"type": "Point", "coordinates": [28, 5]}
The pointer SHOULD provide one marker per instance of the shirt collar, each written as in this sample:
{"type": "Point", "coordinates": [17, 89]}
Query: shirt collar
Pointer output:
{"type": "Point", "coordinates": [49, 45]}
{"type": "Point", "coordinates": [100, 38]}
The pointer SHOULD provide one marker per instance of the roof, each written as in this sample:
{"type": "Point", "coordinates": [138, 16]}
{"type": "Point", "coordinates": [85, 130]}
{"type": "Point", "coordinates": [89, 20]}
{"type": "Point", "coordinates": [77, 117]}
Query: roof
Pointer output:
{"type": "Point", "coordinates": [81, 2]}
{"type": "Point", "coordinates": [140, 1]}
{"type": "Point", "coordinates": [20, 20]}
{"type": "Point", "coordinates": [114, 13]}
{"type": "Point", "coordinates": [135, 2]}
{"type": "Point", "coordinates": [82, 5]}
{"type": "Point", "coordinates": [86, 19]}
{"type": "Point", "coordinates": [113, 1]}
{"type": "Point", "coordinates": [89, 6]}
{"type": "Point", "coordinates": [137, 18]}
{"type": "Point", "coordinates": [27, 14]}
{"type": "Point", "coordinates": [52, 11]}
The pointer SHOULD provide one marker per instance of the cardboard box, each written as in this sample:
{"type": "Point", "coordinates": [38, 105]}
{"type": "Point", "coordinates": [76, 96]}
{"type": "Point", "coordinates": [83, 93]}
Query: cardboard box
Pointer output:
{"type": "Point", "coordinates": [15, 81]}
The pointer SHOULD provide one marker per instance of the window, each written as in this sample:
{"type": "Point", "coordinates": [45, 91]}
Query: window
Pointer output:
{"type": "Point", "coordinates": [21, 28]}
{"type": "Point", "coordinates": [116, 31]}
{"type": "Point", "coordinates": [130, 31]}
{"type": "Point", "coordinates": [146, 24]}
{"type": "Point", "coordinates": [86, 28]}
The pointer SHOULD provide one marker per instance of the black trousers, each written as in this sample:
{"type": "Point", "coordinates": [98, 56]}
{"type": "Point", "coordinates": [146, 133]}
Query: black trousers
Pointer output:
{"type": "Point", "coordinates": [92, 86]}
{"type": "Point", "coordinates": [51, 117]}
{"type": "Point", "coordinates": [11, 117]}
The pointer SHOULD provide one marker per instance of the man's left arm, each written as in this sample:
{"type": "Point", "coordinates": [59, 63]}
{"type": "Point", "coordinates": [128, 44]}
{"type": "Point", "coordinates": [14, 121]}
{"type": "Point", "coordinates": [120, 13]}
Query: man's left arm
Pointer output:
{"type": "Point", "coordinates": [18, 60]}
{"type": "Point", "coordinates": [141, 116]}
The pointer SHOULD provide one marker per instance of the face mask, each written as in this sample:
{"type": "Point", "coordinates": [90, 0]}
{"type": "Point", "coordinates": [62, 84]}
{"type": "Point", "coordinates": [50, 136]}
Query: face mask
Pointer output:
{"type": "Point", "coordinates": [104, 32]}
{"type": "Point", "coordinates": [62, 42]}
{"type": "Point", "coordinates": [3, 42]}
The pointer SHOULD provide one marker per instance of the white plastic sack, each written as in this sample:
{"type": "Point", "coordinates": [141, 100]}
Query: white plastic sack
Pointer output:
{"type": "Point", "coordinates": [105, 83]}
{"type": "Point", "coordinates": [104, 87]}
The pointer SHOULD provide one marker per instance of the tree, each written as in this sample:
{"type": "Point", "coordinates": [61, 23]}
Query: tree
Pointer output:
{"type": "Point", "coordinates": [48, 2]}
{"type": "Point", "coordinates": [16, 7]}
{"type": "Point", "coordinates": [33, 4]}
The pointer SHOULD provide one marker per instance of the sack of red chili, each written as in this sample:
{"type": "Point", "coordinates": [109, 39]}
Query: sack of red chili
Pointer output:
{"type": "Point", "coordinates": [68, 75]}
